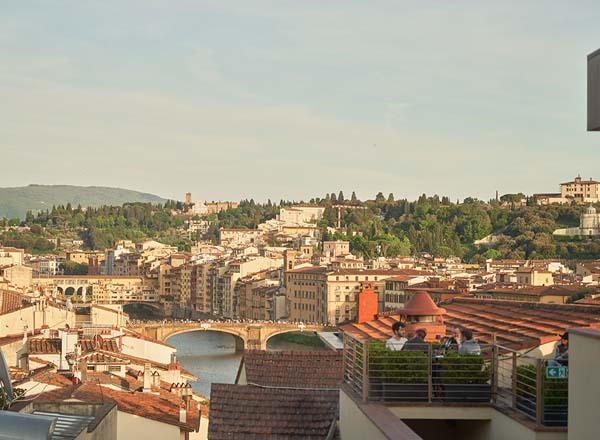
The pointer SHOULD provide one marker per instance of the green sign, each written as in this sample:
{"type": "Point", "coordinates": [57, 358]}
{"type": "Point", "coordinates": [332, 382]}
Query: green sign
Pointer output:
{"type": "Point", "coordinates": [557, 372]}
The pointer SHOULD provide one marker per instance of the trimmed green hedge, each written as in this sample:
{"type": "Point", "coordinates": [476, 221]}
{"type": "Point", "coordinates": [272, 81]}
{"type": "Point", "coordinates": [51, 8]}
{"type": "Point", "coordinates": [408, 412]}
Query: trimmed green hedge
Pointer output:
{"type": "Point", "coordinates": [456, 368]}
{"type": "Point", "coordinates": [406, 367]}
{"type": "Point", "coordinates": [556, 391]}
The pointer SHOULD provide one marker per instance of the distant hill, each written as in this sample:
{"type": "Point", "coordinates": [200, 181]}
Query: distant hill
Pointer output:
{"type": "Point", "coordinates": [15, 202]}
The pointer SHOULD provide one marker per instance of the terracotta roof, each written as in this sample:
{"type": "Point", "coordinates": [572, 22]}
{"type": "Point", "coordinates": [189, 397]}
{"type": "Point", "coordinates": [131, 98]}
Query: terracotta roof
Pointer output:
{"type": "Point", "coordinates": [99, 357]}
{"type": "Point", "coordinates": [312, 269]}
{"type": "Point", "coordinates": [421, 304]}
{"type": "Point", "coordinates": [555, 290]}
{"type": "Point", "coordinates": [403, 277]}
{"type": "Point", "coordinates": [589, 301]}
{"type": "Point", "coordinates": [390, 272]}
{"type": "Point", "coordinates": [106, 345]}
{"type": "Point", "coordinates": [43, 346]}
{"type": "Point", "coordinates": [163, 407]}
{"type": "Point", "coordinates": [516, 324]}
{"type": "Point", "coordinates": [303, 369]}
{"type": "Point", "coordinates": [127, 382]}
{"type": "Point", "coordinates": [51, 378]}
{"type": "Point", "coordinates": [249, 412]}
{"type": "Point", "coordinates": [38, 360]}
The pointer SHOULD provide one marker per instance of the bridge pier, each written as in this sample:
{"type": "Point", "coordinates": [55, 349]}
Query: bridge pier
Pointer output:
{"type": "Point", "coordinates": [239, 344]}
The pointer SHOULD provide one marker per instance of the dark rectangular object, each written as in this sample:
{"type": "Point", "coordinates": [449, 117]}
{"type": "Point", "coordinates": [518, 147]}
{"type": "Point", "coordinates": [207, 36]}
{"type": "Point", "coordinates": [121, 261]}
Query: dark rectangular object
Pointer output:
{"type": "Point", "coordinates": [593, 100]}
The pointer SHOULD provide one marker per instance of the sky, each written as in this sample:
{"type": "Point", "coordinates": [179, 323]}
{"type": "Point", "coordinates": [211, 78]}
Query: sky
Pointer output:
{"type": "Point", "coordinates": [294, 99]}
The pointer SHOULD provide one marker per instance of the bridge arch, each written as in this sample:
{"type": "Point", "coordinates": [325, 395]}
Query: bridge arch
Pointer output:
{"type": "Point", "coordinates": [240, 340]}
{"type": "Point", "coordinates": [283, 331]}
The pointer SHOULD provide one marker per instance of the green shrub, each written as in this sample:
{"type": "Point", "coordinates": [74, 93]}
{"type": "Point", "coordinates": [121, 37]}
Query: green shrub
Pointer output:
{"type": "Point", "coordinates": [555, 390]}
{"type": "Point", "coordinates": [407, 367]}
{"type": "Point", "coordinates": [456, 368]}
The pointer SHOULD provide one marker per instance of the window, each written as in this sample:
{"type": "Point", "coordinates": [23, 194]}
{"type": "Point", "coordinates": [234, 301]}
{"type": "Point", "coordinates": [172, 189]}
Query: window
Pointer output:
{"type": "Point", "coordinates": [91, 368]}
{"type": "Point", "coordinates": [114, 368]}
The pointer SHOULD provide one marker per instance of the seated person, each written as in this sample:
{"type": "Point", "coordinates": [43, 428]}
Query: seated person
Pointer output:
{"type": "Point", "coordinates": [417, 342]}
{"type": "Point", "coordinates": [468, 345]}
{"type": "Point", "coordinates": [396, 342]}
{"type": "Point", "coordinates": [451, 343]}
{"type": "Point", "coordinates": [561, 353]}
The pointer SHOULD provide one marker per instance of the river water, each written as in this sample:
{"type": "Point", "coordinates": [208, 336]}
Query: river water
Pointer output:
{"type": "Point", "coordinates": [212, 357]}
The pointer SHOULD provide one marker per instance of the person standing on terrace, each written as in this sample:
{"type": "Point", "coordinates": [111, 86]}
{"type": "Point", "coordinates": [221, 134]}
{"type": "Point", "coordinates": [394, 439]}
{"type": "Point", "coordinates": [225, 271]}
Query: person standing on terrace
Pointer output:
{"type": "Point", "coordinates": [468, 345]}
{"type": "Point", "coordinates": [396, 342]}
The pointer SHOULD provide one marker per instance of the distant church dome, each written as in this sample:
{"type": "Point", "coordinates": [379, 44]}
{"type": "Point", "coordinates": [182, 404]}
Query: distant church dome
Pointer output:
{"type": "Point", "coordinates": [589, 221]}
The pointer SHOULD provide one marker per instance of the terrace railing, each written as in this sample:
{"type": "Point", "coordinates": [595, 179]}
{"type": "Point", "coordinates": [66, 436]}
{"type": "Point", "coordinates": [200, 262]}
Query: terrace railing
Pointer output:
{"type": "Point", "coordinates": [498, 376]}
{"type": "Point", "coordinates": [530, 386]}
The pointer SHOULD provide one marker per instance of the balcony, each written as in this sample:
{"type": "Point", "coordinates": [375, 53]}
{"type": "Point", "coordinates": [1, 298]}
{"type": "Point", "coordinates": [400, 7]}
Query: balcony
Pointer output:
{"type": "Point", "coordinates": [508, 380]}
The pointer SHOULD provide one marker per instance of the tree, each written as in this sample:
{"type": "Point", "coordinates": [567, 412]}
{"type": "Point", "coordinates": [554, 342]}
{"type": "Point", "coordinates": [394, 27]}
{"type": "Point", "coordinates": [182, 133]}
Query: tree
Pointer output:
{"type": "Point", "coordinates": [390, 198]}
{"type": "Point", "coordinates": [379, 198]}
{"type": "Point", "coordinates": [353, 199]}
{"type": "Point", "coordinates": [341, 198]}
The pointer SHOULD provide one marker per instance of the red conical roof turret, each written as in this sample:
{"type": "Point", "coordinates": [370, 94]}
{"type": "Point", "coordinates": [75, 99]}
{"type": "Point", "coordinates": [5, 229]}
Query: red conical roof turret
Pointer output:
{"type": "Point", "coordinates": [421, 304]}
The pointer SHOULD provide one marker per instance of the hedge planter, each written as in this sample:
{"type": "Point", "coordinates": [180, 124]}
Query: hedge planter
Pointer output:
{"type": "Point", "coordinates": [475, 393]}
{"type": "Point", "coordinates": [553, 416]}
{"type": "Point", "coordinates": [555, 394]}
{"type": "Point", "coordinates": [462, 378]}
{"type": "Point", "coordinates": [397, 376]}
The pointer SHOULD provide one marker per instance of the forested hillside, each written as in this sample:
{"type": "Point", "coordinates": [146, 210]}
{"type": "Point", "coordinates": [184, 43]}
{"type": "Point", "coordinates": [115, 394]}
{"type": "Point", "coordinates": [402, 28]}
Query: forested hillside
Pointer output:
{"type": "Point", "coordinates": [379, 227]}
{"type": "Point", "coordinates": [15, 202]}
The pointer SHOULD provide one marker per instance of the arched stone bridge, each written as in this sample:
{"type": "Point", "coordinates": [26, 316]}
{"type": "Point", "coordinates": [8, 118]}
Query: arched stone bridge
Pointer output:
{"type": "Point", "coordinates": [247, 336]}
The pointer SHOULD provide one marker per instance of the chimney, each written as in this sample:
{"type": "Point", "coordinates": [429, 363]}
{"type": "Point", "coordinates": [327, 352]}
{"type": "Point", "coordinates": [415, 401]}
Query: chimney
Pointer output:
{"type": "Point", "coordinates": [83, 371]}
{"type": "Point", "coordinates": [182, 414]}
{"type": "Point", "coordinates": [147, 378]}
{"type": "Point", "coordinates": [367, 303]}
{"type": "Point", "coordinates": [186, 394]}
{"type": "Point", "coordinates": [174, 370]}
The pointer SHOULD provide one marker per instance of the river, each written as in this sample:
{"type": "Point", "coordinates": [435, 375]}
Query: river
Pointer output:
{"type": "Point", "coordinates": [212, 357]}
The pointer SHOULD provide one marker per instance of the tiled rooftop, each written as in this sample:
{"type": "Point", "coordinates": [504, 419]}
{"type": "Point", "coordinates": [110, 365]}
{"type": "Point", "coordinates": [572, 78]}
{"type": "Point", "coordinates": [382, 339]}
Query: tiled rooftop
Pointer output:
{"type": "Point", "coordinates": [106, 345]}
{"type": "Point", "coordinates": [43, 346]}
{"type": "Point", "coordinates": [162, 407]}
{"type": "Point", "coordinates": [251, 412]}
{"type": "Point", "coordinates": [589, 301]}
{"type": "Point", "coordinates": [99, 357]}
{"type": "Point", "coordinates": [304, 369]}
{"type": "Point", "coordinates": [557, 290]}
{"type": "Point", "coordinates": [516, 324]}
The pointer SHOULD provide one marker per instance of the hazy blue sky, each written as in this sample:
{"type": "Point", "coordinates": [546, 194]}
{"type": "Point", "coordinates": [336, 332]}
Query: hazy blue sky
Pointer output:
{"type": "Point", "coordinates": [291, 99]}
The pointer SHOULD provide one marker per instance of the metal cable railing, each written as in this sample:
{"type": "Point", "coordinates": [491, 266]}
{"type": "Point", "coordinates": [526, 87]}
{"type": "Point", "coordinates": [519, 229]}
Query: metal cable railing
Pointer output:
{"type": "Point", "coordinates": [498, 375]}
